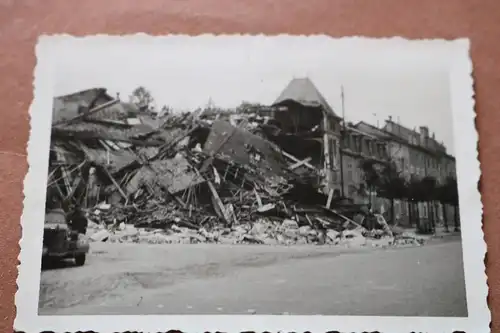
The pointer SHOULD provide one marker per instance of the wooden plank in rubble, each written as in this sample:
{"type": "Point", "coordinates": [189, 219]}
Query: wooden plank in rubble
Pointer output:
{"type": "Point", "coordinates": [88, 113]}
{"type": "Point", "coordinates": [299, 163]}
{"type": "Point", "coordinates": [296, 160]}
{"type": "Point", "coordinates": [218, 202]}
{"type": "Point", "coordinates": [115, 183]}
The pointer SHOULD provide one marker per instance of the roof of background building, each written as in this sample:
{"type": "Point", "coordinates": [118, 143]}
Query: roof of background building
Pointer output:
{"type": "Point", "coordinates": [400, 130]}
{"type": "Point", "coordinates": [394, 135]}
{"type": "Point", "coordinates": [303, 91]}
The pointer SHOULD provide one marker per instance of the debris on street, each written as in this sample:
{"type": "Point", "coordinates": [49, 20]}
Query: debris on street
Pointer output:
{"type": "Point", "coordinates": [198, 177]}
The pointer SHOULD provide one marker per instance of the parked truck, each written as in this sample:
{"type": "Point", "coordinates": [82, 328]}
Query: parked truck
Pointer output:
{"type": "Point", "coordinates": [62, 239]}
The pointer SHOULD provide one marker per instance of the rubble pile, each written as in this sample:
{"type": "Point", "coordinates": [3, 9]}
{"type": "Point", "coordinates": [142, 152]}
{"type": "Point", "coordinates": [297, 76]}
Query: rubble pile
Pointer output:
{"type": "Point", "coordinates": [194, 178]}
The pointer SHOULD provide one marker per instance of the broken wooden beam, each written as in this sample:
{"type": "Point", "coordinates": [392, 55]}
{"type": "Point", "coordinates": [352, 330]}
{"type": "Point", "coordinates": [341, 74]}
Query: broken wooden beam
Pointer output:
{"type": "Point", "coordinates": [257, 197]}
{"type": "Point", "coordinates": [218, 202]}
{"type": "Point", "coordinates": [88, 113]}
{"type": "Point", "coordinates": [348, 220]}
{"type": "Point", "coordinates": [295, 159]}
{"type": "Point", "coordinates": [115, 183]}
{"type": "Point", "coordinates": [64, 133]}
{"type": "Point", "coordinates": [300, 163]}
{"type": "Point", "coordinates": [330, 198]}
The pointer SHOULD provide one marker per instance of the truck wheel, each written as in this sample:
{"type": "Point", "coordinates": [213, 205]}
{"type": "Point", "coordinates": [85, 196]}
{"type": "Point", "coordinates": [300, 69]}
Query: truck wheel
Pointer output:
{"type": "Point", "coordinates": [80, 259]}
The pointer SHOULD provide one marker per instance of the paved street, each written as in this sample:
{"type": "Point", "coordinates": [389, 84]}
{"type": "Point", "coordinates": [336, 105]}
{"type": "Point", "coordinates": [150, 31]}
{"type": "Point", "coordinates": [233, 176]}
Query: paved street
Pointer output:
{"type": "Point", "coordinates": [207, 279]}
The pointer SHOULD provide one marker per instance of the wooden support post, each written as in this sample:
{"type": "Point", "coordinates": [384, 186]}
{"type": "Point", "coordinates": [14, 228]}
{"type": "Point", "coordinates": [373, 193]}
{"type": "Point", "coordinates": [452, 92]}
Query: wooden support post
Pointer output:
{"type": "Point", "coordinates": [330, 197]}
{"type": "Point", "coordinates": [259, 201]}
{"type": "Point", "coordinates": [52, 173]}
{"type": "Point", "coordinates": [67, 185]}
{"type": "Point", "coordinates": [218, 201]}
{"type": "Point", "coordinates": [74, 187]}
{"type": "Point", "coordinates": [225, 172]}
{"type": "Point", "coordinates": [236, 173]}
{"type": "Point", "coordinates": [115, 183]}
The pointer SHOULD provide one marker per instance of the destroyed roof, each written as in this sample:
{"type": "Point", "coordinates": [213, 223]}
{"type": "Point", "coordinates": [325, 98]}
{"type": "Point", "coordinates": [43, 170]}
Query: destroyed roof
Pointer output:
{"type": "Point", "coordinates": [70, 106]}
{"type": "Point", "coordinates": [119, 111]}
{"type": "Point", "coordinates": [102, 130]}
{"type": "Point", "coordinates": [87, 95]}
{"type": "Point", "coordinates": [174, 175]}
{"type": "Point", "coordinates": [236, 143]}
{"type": "Point", "coordinates": [68, 152]}
{"type": "Point", "coordinates": [303, 91]}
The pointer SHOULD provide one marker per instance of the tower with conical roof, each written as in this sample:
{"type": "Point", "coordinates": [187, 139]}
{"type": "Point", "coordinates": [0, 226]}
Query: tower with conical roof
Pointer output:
{"type": "Point", "coordinates": [304, 92]}
{"type": "Point", "coordinates": [306, 108]}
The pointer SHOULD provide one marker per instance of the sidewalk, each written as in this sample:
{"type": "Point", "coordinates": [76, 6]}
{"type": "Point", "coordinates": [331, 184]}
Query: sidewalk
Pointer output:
{"type": "Point", "coordinates": [440, 233]}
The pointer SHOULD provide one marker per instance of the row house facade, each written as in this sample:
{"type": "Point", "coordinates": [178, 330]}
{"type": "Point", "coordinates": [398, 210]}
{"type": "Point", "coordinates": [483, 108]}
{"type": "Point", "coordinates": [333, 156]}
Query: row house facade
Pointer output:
{"type": "Point", "coordinates": [416, 154]}
{"type": "Point", "coordinates": [356, 147]}
{"type": "Point", "coordinates": [311, 129]}
{"type": "Point", "coordinates": [425, 156]}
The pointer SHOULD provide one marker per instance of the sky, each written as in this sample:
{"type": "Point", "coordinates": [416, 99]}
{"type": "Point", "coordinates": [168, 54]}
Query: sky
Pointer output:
{"type": "Point", "coordinates": [392, 77]}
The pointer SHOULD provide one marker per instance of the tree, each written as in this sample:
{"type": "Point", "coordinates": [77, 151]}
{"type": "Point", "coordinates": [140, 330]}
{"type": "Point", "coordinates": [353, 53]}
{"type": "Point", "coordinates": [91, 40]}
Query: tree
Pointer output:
{"type": "Point", "coordinates": [442, 198]}
{"type": "Point", "coordinates": [429, 191]}
{"type": "Point", "coordinates": [165, 111]}
{"type": "Point", "coordinates": [142, 98]}
{"type": "Point", "coordinates": [415, 196]}
{"type": "Point", "coordinates": [371, 177]}
{"type": "Point", "coordinates": [449, 196]}
{"type": "Point", "coordinates": [392, 186]}
{"type": "Point", "coordinates": [424, 190]}
{"type": "Point", "coordinates": [385, 180]}
{"type": "Point", "coordinates": [247, 107]}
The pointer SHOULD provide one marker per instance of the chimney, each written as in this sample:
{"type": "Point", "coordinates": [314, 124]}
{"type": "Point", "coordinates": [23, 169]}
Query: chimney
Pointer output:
{"type": "Point", "coordinates": [424, 131]}
{"type": "Point", "coordinates": [424, 135]}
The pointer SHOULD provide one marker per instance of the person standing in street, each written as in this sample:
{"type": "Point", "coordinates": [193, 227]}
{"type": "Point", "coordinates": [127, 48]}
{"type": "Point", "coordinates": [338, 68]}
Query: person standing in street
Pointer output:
{"type": "Point", "coordinates": [78, 220]}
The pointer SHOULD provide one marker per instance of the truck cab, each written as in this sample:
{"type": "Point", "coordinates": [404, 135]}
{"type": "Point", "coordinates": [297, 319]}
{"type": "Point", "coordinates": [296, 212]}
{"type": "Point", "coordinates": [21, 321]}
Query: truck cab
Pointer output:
{"type": "Point", "coordinates": [60, 241]}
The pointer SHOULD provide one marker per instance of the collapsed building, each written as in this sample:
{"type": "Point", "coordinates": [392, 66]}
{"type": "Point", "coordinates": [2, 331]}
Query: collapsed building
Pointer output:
{"type": "Point", "coordinates": [274, 167]}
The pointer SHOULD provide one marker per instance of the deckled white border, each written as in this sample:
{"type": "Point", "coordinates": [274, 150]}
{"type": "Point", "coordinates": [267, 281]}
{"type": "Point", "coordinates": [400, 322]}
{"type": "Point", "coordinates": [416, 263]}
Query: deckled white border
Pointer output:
{"type": "Point", "coordinates": [468, 170]}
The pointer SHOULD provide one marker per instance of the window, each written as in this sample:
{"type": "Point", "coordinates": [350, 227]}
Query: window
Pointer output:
{"type": "Point", "coordinates": [366, 147]}
{"type": "Point", "coordinates": [333, 152]}
{"type": "Point", "coordinates": [349, 176]}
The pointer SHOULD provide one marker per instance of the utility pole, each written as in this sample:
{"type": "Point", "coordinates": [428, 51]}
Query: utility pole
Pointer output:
{"type": "Point", "coordinates": [342, 134]}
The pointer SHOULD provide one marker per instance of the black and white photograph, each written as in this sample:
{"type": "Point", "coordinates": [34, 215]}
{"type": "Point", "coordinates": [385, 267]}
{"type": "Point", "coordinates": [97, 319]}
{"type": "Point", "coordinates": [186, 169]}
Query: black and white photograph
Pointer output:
{"type": "Point", "coordinates": [252, 181]}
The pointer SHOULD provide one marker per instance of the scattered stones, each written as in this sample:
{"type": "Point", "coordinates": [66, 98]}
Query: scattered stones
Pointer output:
{"type": "Point", "coordinates": [100, 236]}
{"type": "Point", "coordinates": [262, 231]}
{"type": "Point", "coordinates": [332, 234]}
{"type": "Point", "coordinates": [289, 224]}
